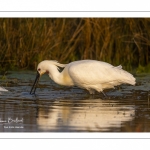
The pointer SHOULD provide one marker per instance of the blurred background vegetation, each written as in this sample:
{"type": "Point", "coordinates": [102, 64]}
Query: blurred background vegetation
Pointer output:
{"type": "Point", "coordinates": [24, 42]}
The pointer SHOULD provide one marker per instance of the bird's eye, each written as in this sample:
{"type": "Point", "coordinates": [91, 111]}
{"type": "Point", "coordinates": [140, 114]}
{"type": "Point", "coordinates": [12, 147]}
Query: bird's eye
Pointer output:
{"type": "Point", "coordinates": [39, 69]}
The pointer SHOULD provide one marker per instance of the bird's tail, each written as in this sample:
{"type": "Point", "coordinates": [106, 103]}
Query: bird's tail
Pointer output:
{"type": "Point", "coordinates": [3, 89]}
{"type": "Point", "coordinates": [126, 77]}
{"type": "Point", "coordinates": [130, 79]}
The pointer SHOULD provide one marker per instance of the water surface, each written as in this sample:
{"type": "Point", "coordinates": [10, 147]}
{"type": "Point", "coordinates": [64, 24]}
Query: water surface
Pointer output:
{"type": "Point", "coordinates": [56, 108]}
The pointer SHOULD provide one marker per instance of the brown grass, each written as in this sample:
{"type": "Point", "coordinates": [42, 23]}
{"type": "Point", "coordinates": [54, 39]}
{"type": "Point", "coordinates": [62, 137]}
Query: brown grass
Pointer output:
{"type": "Point", "coordinates": [24, 42]}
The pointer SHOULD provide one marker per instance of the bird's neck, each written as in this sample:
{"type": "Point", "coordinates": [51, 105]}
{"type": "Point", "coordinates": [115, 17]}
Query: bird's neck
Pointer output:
{"type": "Point", "coordinates": [60, 77]}
{"type": "Point", "coordinates": [55, 75]}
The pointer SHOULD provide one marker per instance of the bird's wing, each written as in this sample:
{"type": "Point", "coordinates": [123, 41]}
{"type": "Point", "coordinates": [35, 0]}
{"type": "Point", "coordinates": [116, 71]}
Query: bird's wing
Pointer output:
{"type": "Point", "coordinates": [92, 72]}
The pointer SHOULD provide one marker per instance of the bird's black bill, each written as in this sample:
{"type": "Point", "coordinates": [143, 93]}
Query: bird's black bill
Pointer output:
{"type": "Point", "coordinates": [35, 83]}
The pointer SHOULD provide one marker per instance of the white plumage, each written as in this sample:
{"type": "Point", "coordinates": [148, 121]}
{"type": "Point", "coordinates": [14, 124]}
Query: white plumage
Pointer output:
{"type": "Point", "coordinates": [3, 89]}
{"type": "Point", "coordinates": [91, 75]}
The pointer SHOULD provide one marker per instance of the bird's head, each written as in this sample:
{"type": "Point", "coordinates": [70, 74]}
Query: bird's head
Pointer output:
{"type": "Point", "coordinates": [42, 68]}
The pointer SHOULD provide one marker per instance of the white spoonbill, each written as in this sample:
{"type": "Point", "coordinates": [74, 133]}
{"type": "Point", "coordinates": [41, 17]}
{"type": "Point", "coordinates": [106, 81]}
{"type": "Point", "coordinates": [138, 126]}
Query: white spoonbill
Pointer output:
{"type": "Point", "coordinates": [3, 89]}
{"type": "Point", "coordinates": [91, 75]}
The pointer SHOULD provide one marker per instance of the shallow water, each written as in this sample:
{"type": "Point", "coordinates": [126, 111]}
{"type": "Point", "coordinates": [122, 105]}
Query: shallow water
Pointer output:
{"type": "Point", "coordinates": [57, 108]}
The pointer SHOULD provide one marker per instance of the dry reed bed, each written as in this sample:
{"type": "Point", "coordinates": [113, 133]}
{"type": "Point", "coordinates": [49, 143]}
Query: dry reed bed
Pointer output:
{"type": "Point", "coordinates": [24, 42]}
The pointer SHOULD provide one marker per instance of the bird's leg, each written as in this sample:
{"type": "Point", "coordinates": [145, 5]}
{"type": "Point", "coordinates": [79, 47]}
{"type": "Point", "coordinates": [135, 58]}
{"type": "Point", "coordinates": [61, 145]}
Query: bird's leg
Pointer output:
{"type": "Point", "coordinates": [105, 95]}
{"type": "Point", "coordinates": [91, 91]}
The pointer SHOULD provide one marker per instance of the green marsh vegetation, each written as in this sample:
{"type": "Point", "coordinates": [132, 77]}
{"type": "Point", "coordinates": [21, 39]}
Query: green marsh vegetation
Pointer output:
{"type": "Point", "coordinates": [24, 42]}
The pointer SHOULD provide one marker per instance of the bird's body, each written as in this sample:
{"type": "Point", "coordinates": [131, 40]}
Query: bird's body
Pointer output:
{"type": "Point", "coordinates": [91, 75]}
